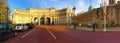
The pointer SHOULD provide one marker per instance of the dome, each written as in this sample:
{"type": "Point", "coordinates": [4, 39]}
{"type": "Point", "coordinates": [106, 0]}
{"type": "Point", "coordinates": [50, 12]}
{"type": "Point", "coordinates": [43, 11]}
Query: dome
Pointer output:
{"type": "Point", "coordinates": [90, 7]}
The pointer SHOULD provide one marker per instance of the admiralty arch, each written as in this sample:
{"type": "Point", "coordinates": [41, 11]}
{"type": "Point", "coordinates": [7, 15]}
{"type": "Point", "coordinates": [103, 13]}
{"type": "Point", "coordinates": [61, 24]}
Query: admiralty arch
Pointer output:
{"type": "Point", "coordinates": [43, 16]}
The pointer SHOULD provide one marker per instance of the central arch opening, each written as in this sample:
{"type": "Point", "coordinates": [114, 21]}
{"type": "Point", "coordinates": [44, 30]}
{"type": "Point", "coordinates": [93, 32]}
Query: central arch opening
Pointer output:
{"type": "Point", "coordinates": [42, 21]}
{"type": "Point", "coordinates": [48, 21]}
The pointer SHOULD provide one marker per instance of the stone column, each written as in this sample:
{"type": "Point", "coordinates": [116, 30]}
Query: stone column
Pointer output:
{"type": "Point", "coordinates": [39, 21]}
{"type": "Point", "coordinates": [67, 19]}
{"type": "Point", "coordinates": [51, 21]}
{"type": "Point", "coordinates": [57, 20]}
{"type": "Point", "coordinates": [44, 20]}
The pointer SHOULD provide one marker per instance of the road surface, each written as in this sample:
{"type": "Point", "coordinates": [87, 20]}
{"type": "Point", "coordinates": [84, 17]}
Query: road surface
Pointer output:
{"type": "Point", "coordinates": [63, 34]}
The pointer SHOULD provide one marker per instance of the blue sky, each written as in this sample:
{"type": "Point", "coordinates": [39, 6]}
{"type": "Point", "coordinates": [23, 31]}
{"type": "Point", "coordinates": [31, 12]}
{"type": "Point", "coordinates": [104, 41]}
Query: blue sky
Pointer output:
{"type": "Point", "coordinates": [81, 5]}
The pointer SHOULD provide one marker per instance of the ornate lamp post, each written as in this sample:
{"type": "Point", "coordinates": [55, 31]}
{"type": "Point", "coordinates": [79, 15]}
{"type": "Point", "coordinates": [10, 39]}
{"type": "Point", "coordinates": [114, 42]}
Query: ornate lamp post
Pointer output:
{"type": "Point", "coordinates": [104, 2]}
{"type": "Point", "coordinates": [74, 8]}
{"type": "Point", "coordinates": [73, 22]}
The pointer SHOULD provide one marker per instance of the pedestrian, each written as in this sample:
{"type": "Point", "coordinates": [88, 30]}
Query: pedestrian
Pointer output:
{"type": "Point", "coordinates": [74, 24]}
{"type": "Point", "coordinates": [94, 25]}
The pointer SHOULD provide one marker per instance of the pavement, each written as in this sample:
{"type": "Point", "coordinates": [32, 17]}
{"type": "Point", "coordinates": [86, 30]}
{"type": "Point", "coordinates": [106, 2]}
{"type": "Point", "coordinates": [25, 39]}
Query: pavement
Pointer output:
{"type": "Point", "coordinates": [63, 34]}
{"type": "Point", "coordinates": [110, 29]}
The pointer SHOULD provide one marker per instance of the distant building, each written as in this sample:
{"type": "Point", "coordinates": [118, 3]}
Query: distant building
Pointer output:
{"type": "Point", "coordinates": [43, 16]}
{"type": "Point", "coordinates": [97, 16]}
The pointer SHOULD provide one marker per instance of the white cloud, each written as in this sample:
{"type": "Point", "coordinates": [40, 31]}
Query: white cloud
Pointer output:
{"type": "Point", "coordinates": [80, 3]}
{"type": "Point", "coordinates": [83, 5]}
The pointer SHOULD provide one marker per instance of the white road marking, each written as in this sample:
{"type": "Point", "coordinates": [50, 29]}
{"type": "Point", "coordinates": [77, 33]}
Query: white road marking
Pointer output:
{"type": "Point", "coordinates": [26, 34]}
{"type": "Point", "coordinates": [51, 33]}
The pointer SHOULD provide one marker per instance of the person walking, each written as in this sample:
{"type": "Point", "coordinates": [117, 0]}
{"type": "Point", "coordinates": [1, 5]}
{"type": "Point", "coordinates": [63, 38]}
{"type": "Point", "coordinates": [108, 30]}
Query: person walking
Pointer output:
{"type": "Point", "coordinates": [94, 25]}
{"type": "Point", "coordinates": [74, 25]}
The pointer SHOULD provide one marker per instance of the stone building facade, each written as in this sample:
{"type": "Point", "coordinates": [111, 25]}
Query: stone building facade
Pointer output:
{"type": "Point", "coordinates": [97, 16]}
{"type": "Point", "coordinates": [43, 16]}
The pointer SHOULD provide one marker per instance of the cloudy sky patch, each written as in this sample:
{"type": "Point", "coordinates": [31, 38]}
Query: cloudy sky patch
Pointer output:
{"type": "Point", "coordinates": [81, 5]}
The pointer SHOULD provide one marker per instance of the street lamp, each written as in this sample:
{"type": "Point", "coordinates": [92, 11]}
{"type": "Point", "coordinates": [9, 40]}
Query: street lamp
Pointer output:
{"type": "Point", "coordinates": [74, 8]}
{"type": "Point", "coordinates": [74, 24]}
{"type": "Point", "coordinates": [104, 2]}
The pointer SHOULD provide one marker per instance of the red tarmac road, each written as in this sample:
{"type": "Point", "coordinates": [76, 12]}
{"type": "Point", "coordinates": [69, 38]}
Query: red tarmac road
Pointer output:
{"type": "Point", "coordinates": [62, 34]}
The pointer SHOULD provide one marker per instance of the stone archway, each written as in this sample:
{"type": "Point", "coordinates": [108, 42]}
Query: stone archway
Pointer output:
{"type": "Point", "coordinates": [42, 21]}
{"type": "Point", "coordinates": [36, 20]}
{"type": "Point", "coordinates": [48, 21]}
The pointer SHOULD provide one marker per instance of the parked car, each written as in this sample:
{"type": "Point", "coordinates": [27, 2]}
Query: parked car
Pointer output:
{"type": "Point", "coordinates": [30, 25]}
{"type": "Point", "coordinates": [20, 27]}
